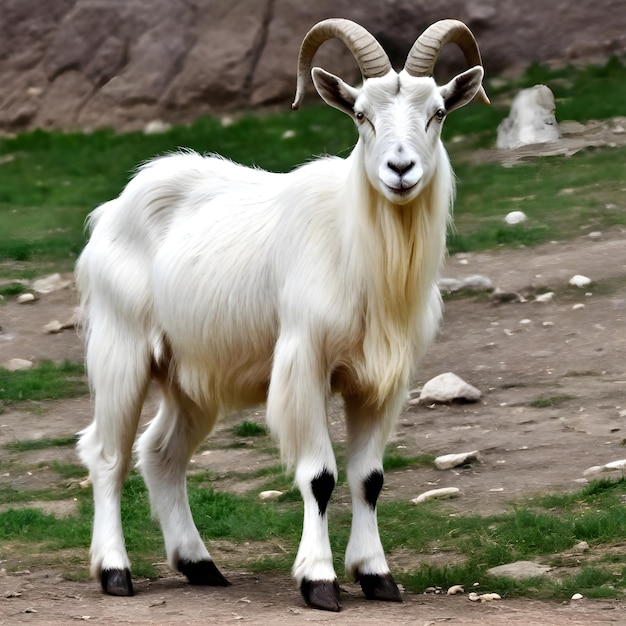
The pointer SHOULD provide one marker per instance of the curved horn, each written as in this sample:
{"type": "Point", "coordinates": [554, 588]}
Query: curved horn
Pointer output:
{"type": "Point", "coordinates": [425, 51]}
{"type": "Point", "coordinates": [369, 54]}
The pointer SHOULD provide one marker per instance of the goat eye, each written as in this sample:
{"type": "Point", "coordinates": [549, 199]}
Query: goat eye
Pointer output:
{"type": "Point", "coordinates": [440, 114]}
{"type": "Point", "coordinates": [360, 116]}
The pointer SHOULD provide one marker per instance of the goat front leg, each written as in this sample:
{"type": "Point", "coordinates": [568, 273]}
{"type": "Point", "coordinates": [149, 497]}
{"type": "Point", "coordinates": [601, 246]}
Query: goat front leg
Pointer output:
{"type": "Point", "coordinates": [296, 413]}
{"type": "Point", "coordinates": [368, 431]}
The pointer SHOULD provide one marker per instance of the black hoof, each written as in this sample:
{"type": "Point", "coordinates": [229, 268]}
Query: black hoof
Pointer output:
{"type": "Point", "coordinates": [202, 573]}
{"type": "Point", "coordinates": [116, 582]}
{"type": "Point", "coordinates": [321, 594]}
{"type": "Point", "coordinates": [379, 587]}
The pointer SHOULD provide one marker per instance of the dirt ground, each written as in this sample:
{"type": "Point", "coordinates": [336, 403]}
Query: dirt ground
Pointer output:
{"type": "Point", "coordinates": [515, 352]}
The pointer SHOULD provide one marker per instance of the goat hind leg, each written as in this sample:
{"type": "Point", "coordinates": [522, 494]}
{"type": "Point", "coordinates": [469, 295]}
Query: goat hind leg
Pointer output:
{"type": "Point", "coordinates": [164, 452]}
{"type": "Point", "coordinates": [119, 374]}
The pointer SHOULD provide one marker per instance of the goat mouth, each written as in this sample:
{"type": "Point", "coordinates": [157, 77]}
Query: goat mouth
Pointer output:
{"type": "Point", "coordinates": [401, 191]}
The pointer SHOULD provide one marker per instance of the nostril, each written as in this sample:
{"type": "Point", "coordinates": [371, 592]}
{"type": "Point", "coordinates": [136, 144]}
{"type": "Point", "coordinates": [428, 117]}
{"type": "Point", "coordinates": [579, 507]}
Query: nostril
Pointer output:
{"type": "Point", "coordinates": [400, 168]}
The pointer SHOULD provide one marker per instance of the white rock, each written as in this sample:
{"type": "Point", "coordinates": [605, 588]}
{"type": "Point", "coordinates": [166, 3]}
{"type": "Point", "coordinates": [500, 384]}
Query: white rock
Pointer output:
{"type": "Point", "coordinates": [473, 597]}
{"type": "Point", "coordinates": [489, 597]}
{"type": "Point", "coordinates": [515, 217]}
{"type": "Point", "coordinates": [53, 327]}
{"type": "Point", "coordinates": [455, 589]}
{"type": "Point", "coordinates": [23, 298]}
{"type": "Point", "coordinates": [545, 297]}
{"type": "Point", "coordinates": [447, 388]}
{"type": "Point", "coordinates": [577, 596]}
{"type": "Point", "coordinates": [530, 121]}
{"type": "Point", "coordinates": [156, 127]}
{"type": "Point", "coordinates": [607, 467]}
{"type": "Point", "coordinates": [271, 494]}
{"type": "Point", "coordinates": [17, 365]}
{"type": "Point", "coordinates": [578, 307]}
{"type": "Point", "coordinates": [445, 492]}
{"type": "Point", "coordinates": [448, 461]}
{"type": "Point", "coordinates": [74, 320]}
{"type": "Point", "coordinates": [579, 281]}
{"type": "Point", "coordinates": [288, 134]}
{"type": "Point", "coordinates": [54, 282]}
{"type": "Point", "coordinates": [475, 282]}
{"type": "Point", "coordinates": [519, 570]}
{"type": "Point", "coordinates": [595, 235]}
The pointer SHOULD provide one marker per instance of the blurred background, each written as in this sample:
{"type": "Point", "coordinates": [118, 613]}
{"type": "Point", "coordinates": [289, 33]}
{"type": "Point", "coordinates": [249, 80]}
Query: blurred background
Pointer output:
{"type": "Point", "coordinates": [87, 64]}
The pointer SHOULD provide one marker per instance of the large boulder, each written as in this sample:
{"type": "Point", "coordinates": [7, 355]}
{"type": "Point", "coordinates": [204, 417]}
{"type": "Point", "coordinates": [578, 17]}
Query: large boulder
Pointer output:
{"type": "Point", "coordinates": [531, 119]}
{"type": "Point", "coordinates": [80, 64]}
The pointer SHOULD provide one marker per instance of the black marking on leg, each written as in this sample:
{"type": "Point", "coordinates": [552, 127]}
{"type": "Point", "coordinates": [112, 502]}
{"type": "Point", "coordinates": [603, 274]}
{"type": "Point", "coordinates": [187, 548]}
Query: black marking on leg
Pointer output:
{"type": "Point", "coordinates": [322, 487]}
{"type": "Point", "coordinates": [117, 582]}
{"type": "Point", "coordinates": [372, 487]}
{"type": "Point", "coordinates": [379, 587]}
{"type": "Point", "coordinates": [202, 573]}
{"type": "Point", "coordinates": [321, 594]}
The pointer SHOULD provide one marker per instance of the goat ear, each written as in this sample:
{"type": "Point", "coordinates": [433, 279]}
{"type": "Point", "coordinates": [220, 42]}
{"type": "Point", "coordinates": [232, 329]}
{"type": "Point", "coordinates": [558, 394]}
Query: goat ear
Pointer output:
{"type": "Point", "coordinates": [462, 88]}
{"type": "Point", "coordinates": [334, 91]}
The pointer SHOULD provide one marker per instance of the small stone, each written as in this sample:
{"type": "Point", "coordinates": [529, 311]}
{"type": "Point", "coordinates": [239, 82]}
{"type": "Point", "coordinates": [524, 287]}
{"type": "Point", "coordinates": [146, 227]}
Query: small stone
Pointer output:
{"type": "Point", "coordinates": [271, 494]}
{"type": "Point", "coordinates": [455, 589]}
{"type": "Point", "coordinates": [17, 365]}
{"type": "Point", "coordinates": [73, 321]}
{"type": "Point", "coordinates": [578, 307]}
{"type": "Point", "coordinates": [577, 596]}
{"type": "Point", "coordinates": [445, 492]}
{"type": "Point", "coordinates": [54, 282]}
{"type": "Point", "coordinates": [288, 134]}
{"type": "Point", "coordinates": [579, 281]}
{"type": "Point", "coordinates": [448, 387]}
{"type": "Point", "coordinates": [595, 235]}
{"type": "Point", "coordinates": [24, 298]}
{"type": "Point", "coordinates": [473, 597]}
{"type": "Point", "coordinates": [545, 297]}
{"type": "Point", "coordinates": [489, 597]}
{"type": "Point", "coordinates": [52, 328]}
{"type": "Point", "coordinates": [448, 461]}
{"type": "Point", "coordinates": [519, 570]}
{"type": "Point", "coordinates": [156, 127]}
{"type": "Point", "coordinates": [515, 217]}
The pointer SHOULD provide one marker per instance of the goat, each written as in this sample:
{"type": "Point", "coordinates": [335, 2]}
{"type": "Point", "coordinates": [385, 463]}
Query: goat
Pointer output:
{"type": "Point", "coordinates": [232, 286]}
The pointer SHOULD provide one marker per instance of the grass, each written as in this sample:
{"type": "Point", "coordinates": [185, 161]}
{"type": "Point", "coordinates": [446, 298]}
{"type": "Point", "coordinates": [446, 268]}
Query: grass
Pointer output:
{"type": "Point", "coordinates": [541, 529]}
{"type": "Point", "coordinates": [41, 444]}
{"type": "Point", "coordinates": [249, 429]}
{"type": "Point", "coordinates": [47, 381]}
{"type": "Point", "coordinates": [550, 401]}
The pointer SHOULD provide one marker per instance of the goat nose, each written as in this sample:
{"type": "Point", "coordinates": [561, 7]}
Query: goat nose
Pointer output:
{"type": "Point", "coordinates": [400, 168]}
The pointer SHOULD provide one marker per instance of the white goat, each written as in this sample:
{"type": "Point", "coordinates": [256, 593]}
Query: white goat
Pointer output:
{"type": "Point", "coordinates": [231, 286]}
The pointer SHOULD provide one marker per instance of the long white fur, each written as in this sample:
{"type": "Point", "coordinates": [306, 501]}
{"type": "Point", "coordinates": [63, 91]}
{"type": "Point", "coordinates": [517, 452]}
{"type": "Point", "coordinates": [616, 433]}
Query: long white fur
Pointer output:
{"type": "Point", "coordinates": [233, 286]}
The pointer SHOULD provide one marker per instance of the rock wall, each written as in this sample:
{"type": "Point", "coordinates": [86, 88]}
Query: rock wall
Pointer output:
{"type": "Point", "coordinates": [84, 64]}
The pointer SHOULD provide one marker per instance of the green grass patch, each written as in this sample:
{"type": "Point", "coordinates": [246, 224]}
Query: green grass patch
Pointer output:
{"type": "Point", "coordinates": [249, 429]}
{"type": "Point", "coordinates": [12, 289]}
{"type": "Point", "coordinates": [41, 444]}
{"type": "Point", "coordinates": [394, 461]}
{"type": "Point", "coordinates": [549, 401]}
{"type": "Point", "coordinates": [47, 381]}
{"type": "Point", "coordinates": [539, 529]}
